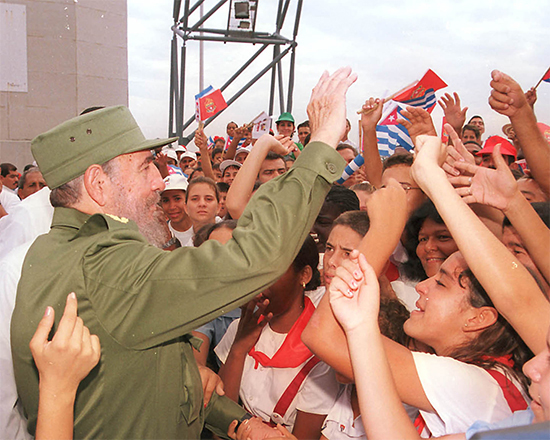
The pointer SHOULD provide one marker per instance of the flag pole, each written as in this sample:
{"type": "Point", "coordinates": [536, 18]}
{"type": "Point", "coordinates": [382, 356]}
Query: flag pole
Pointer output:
{"type": "Point", "coordinates": [542, 77]}
{"type": "Point", "coordinates": [389, 98]}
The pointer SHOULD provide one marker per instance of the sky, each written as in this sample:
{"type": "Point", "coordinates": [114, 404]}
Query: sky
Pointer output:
{"type": "Point", "coordinates": [388, 44]}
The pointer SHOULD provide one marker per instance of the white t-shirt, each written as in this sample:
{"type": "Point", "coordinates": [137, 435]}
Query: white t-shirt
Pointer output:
{"type": "Point", "coordinates": [261, 388]}
{"type": "Point", "coordinates": [185, 237]}
{"type": "Point", "coordinates": [460, 393]}
{"type": "Point", "coordinates": [27, 220]}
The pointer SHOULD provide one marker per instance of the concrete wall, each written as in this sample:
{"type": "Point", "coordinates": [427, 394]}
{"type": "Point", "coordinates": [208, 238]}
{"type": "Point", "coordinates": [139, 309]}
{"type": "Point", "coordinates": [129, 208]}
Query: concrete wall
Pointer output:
{"type": "Point", "coordinates": [77, 58]}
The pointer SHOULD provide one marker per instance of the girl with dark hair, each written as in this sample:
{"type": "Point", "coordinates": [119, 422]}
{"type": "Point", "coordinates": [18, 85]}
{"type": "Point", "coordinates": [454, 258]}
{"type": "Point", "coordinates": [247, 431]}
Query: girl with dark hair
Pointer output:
{"type": "Point", "coordinates": [266, 364]}
{"type": "Point", "coordinates": [428, 243]}
{"type": "Point", "coordinates": [475, 371]}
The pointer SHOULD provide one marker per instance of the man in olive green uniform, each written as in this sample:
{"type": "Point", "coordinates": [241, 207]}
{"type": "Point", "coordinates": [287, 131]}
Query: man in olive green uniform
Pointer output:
{"type": "Point", "coordinates": [141, 301]}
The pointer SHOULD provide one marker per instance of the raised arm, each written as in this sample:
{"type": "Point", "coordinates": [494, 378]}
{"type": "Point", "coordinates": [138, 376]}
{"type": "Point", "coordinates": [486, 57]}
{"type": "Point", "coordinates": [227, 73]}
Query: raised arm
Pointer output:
{"type": "Point", "coordinates": [240, 133]}
{"type": "Point", "coordinates": [512, 289]}
{"type": "Point", "coordinates": [249, 329]}
{"type": "Point", "coordinates": [202, 143]}
{"type": "Point", "coordinates": [62, 363]}
{"type": "Point", "coordinates": [241, 189]}
{"type": "Point", "coordinates": [323, 335]}
{"type": "Point", "coordinates": [508, 99]}
{"type": "Point", "coordinates": [498, 188]}
{"type": "Point", "coordinates": [357, 310]}
{"type": "Point", "coordinates": [370, 115]}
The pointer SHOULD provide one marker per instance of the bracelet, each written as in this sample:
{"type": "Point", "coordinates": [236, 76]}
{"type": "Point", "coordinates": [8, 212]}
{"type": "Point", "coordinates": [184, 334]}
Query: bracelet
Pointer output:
{"type": "Point", "coordinates": [169, 243]}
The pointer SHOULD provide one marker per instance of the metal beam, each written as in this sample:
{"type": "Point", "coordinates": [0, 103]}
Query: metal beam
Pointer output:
{"type": "Point", "coordinates": [182, 29]}
{"type": "Point", "coordinates": [242, 90]}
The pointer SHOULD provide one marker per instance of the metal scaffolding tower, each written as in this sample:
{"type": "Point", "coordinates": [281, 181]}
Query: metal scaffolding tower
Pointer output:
{"type": "Point", "coordinates": [241, 28]}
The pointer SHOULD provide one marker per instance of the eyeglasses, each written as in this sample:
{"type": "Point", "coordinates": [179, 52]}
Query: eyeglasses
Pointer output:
{"type": "Point", "coordinates": [406, 186]}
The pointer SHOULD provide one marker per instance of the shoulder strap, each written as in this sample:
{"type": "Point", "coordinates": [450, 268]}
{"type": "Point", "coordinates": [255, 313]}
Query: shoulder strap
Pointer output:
{"type": "Point", "coordinates": [513, 396]}
{"type": "Point", "coordinates": [290, 393]}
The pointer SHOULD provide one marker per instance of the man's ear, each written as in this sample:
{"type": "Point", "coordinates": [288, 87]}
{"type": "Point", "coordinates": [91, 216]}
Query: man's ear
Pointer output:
{"type": "Point", "coordinates": [482, 318]}
{"type": "Point", "coordinates": [95, 183]}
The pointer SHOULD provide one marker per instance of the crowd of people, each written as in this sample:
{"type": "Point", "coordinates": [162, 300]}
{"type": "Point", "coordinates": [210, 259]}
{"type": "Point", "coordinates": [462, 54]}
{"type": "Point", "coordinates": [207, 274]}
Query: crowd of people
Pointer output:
{"type": "Point", "coordinates": [233, 289]}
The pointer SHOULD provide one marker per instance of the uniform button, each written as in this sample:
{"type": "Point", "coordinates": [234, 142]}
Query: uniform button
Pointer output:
{"type": "Point", "coordinates": [277, 418]}
{"type": "Point", "coordinates": [331, 167]}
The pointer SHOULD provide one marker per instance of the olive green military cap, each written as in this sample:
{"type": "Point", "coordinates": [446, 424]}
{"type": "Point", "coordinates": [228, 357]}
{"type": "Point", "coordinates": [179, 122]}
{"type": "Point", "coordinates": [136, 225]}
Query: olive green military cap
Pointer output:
{"type": "Point", "coordinates": [66, 151]}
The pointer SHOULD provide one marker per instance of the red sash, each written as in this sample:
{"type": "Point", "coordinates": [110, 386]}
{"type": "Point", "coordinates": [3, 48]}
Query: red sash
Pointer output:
{"type": "Point", "coordinates": [293, 352]}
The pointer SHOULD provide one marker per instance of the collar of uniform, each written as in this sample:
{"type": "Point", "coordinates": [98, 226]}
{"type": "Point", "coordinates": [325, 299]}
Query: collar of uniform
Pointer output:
{"type": "Point", "coordinates": [85, 224]}
{"type": "Point", "coordinates": [69, 218]}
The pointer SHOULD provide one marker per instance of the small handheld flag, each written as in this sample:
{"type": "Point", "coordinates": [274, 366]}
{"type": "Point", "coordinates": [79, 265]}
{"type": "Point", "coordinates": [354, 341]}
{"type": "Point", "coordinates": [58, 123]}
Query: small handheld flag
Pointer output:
{"type": "Point", "coordinates": [208, 103]}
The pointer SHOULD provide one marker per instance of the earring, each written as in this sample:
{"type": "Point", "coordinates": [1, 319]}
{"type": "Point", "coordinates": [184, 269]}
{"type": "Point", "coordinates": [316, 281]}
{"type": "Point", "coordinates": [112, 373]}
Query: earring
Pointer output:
{"type": "Point", "coordinates": [303, 285]}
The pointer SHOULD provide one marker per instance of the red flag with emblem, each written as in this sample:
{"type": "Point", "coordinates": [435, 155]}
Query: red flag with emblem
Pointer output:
{"type": "Point", "coordinates": [209, 104]}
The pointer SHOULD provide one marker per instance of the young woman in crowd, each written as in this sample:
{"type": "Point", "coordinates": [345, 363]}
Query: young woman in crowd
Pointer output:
{"type": "Point", "coordinates": [428, 243]}
{"type": "Point", "coordinates": [266, 364]}
{"type": "Point", "coordinates": [354, 295]}
{"type": "Point", "coordinates": [472, 343]}
{"type": "Point", "coordinates": [201, 204]}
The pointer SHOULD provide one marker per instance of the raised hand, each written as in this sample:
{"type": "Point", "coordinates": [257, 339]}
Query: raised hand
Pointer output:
{"type": "Point", "coordinates": [456, 152]}
{"type": "Point", "coordinates": [431, 154]}
{"type": "Point", "coordinates": [327, 106]}
{"type": "Point", "coordinates": [70, 356]}
{"type": "Point", "coordinates": [371, 112]}
{"type": "Point", "coordinates": [201, 141]}
{"type": "Point", "coordinates": [280, 144]}
{"type": "Point", "coordinates": [251, 323]}
{"type": "Point", "coordinates": [495, 188]}
{"type": "Point", "coordinates": [453, 113]}
{"type": "Point", "coordinates": [419, 122]}
{"type": "Point", "coordinates": [506, 98]}
{"type": "Point", "coordinates": [531, 96]}
{"type": "Point", "coordinates": [355, 294]}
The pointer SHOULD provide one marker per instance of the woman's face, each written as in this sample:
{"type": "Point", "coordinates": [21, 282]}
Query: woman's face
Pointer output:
{"type": "Point", "coordinates": [286, 291]}
{"type": "Point", "coordinates": [285, 128]}
{"type": "Point", "coordinates": [478, 122]}
{"type": "Point", "coordinates": [341, 242]}
{"type": "Point", "coordinates": [202, 204]}
{"type": "Point", "coordinates": [435, 245]}
{"type": "Point", "coordinates": [172, 202]}
{"type": "Point", "coordinates": [323, 224]}
{"type": "Point", "coordinates": [442, 309]}
{"type": "Point", "coordinates": [538, 370]}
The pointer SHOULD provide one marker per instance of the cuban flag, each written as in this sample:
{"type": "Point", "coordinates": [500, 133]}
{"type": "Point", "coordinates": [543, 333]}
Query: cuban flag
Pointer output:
{"type": "Point", "coordinates": [546, 76]}
{"type": "Point", "coordinates": [390, 133]}
{"type": "Point", "coordinates": [422, 93]}
{"type": "Point", "coordinates": [351, 168]}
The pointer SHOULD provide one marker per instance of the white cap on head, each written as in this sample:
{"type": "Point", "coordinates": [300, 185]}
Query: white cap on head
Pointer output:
{"type": "Point", "coordinates": [175, 181]}
{"type": "Point", "coordinates": [189, 154]}
{"type": "Point", "coordinates": [170, 153]}
{"type": "Point", "coordinates": [229, 163]}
